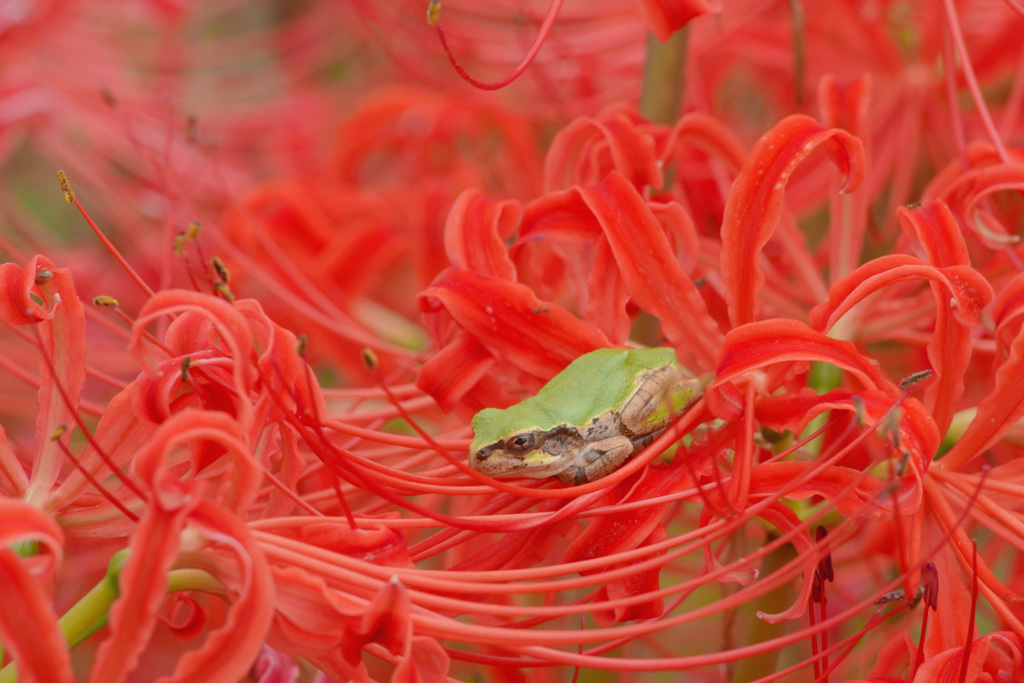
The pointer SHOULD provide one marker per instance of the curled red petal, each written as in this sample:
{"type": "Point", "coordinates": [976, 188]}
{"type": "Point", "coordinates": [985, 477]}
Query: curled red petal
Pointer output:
{"type": "Point", "coordinates": [17, 285]}
{"type": "Point", "coordinates": [707, 134]}
{"type": "Point", "coordinates": [204, 321]}
{"type": "Point", "coordinates": [966, 193]}
{"type": "Point", "coordinates": [844, 487]}
{"type": "Point", "coordinates": [680, 229]}
{"type": "Point", "coordinates": [844, 105]}
{"type": "Point", "coordinates": [765, 343]}
{"type": "Point", "coordinates": [20, 522]}
{"type": "Point", "coordinates": [655, 279]}
{"type": "Point", "coordinates": [228, 652]}
{"type": "Point", "coordinates": [607, 295]}
{"type": "Point", "coordinates": [143, 586]}
{"type": "Point", "coordinates": [476, 232]}
{"type": "Point", "coordinates": [310, 618]}
{"type": "Point", "coordinates": [935, 227]}
{"type": "Point", "coordinates": [989, 181]}
{"type": "Point", "coordinates": [451, 372]}
{"type": "Point", "coordinates": [965, 285]}
{"type": "Point", "coordinates": [284, 372]}
{"type": "Point", "coordinates": [558, 217]}
{"type": "Point", "coordinates": [587, 149]}
{"type": "Point", "coordinates": [642, 582]}
{"type": "Point", "coordinates": [187, 429]}
{"type": "Point", "coordinates": [537, 337]}
{"type": "Point", "coordinates": [786, 521]}
{"type": "Point", "coordinates": [425, 661]}
{"type": "Point", "coordinates": [754, 205]}
{"type": "Point", "coordinates": [918, 434]}
{"type": "Point", "coordinates": [998, 411]}
{"type": "Point", "coordinates": [42, 294]}
{"type": "Point", "coordinates": [986, 663]}
{"type": "Point", "coordinates": [665, 17]}
{"type": "Point", "coordinates": [28, 625]}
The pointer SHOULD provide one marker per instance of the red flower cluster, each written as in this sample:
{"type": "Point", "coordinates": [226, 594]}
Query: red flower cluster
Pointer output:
{"type": "Point", "coordinates": [199, 492]}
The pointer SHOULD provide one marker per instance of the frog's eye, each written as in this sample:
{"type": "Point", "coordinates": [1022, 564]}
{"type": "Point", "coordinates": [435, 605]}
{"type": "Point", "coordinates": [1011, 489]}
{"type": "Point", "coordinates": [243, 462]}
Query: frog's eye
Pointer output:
{"type": "Point", "coordinates": [523, 442]}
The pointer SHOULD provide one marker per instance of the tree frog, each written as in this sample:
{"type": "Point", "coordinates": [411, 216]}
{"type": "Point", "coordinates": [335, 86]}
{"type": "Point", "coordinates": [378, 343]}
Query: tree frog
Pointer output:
{"type": "Point", "coordinates": [588, 420]}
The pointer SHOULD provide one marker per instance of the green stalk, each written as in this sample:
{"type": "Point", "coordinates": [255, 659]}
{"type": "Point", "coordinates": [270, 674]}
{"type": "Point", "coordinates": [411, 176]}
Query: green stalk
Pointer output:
{"type": "Point", "coordinates": [759, 631]}
{"type": "Point", "coordinates": [661, 99]}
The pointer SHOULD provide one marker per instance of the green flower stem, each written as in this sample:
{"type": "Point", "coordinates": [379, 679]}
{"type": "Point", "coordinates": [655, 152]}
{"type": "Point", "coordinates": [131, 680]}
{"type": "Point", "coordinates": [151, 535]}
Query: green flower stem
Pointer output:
{"type": "Point", "coordinates": [796, 8]}
{"type": "Point", "coordinates": [957, 428]}
{"type": "Point", "coordinates": [823, 378]}
{"type": "Point", "coordinates": [193, 580]}
{"type": "Point", "coordinates": [664, 78]}
{"type": "Point", "coordinates": [758, 630]}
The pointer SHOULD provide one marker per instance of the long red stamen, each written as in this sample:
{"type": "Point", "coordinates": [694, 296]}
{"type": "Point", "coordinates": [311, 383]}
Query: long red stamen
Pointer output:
{"type": "Point", "coordinates": [542, 34]}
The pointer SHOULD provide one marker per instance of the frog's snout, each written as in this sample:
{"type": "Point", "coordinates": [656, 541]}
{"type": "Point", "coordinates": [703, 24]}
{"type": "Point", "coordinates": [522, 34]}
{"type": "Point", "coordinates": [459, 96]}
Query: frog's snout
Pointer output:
{"type": "Point", "coordinates": [483, 453]}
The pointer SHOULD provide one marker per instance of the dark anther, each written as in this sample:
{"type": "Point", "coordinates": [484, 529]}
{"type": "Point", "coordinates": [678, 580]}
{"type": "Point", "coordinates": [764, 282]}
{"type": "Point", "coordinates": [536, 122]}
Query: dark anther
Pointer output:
{"type": "Point", "coordinates": [825, 563]}
{"type": "Point", "coordinates": [930, 582]}
{"type": "Point", "coordinates": [913, 379]}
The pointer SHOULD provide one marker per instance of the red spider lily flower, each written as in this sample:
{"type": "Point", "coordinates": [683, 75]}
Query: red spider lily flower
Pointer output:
{"type": "Point", "coordinates": [62, 368]}
{"type": "Point", "coordinates": [328, 532]}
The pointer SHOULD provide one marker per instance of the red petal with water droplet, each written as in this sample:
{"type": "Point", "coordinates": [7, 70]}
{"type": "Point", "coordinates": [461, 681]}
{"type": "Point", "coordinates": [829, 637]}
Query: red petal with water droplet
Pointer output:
{"type": "Point", "coordinates": [755, 201]}
{"type": "Point", "coordinates": [654, 278]}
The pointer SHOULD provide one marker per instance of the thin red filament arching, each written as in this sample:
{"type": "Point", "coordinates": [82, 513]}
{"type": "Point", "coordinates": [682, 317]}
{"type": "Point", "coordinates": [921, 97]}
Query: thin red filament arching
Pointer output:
{"type": "Point", "coordinates": [542, 34]}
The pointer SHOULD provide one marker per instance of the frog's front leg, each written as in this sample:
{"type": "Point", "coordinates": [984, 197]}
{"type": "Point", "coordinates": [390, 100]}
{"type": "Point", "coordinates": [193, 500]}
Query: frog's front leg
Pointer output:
{"type": "Point", "coordinates": [597, 459]}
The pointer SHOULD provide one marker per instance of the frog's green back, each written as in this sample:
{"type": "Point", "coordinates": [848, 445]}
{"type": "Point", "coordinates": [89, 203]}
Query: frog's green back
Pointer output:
{"type": "Point", "coordinates": [591, 385]}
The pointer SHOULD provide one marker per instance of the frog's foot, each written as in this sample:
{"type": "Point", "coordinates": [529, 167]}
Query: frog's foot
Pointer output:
{"type": "Point", "coordinates": [597, 460]}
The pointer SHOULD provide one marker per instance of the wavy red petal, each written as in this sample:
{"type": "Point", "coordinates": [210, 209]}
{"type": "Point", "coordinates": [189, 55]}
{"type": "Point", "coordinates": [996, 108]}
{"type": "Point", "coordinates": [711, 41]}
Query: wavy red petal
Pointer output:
{"type": "Point", "coordinates": [755, 201]}
{"type": "Point", "coordinates": [769, 342]}
{"type": "Point", "coordinates": [996, 413]}
{"type": "Point", "coordinates": [454, 370]}
{"type": "Point", "coordinates": [143, 587]}
{"type": "Point", "coordinates": [707, 134]}
{"type": "Point", "coordinates": [538, 337]}
{"type": "Point", "coordinates": [28, 625]}
{"type": "Point", "coordinates": [587, 149]}
{"type": "Point", "coordinates": [229, 651]}
{"type": "Point", "coordinates": [654, 278]}
{"type": "Point", "coordinates": [476, 232]}
{"type": "Point", "coordinates": [935, 227]}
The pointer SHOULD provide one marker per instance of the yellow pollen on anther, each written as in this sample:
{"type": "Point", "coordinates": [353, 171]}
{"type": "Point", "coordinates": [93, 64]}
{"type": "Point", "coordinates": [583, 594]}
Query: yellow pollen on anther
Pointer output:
{"type": "Point", "coordinates": [222, 270]}
{"type": "Point", "coordinates": [65, 186]}
{"type": "Point", "coordinates": [224, 291]}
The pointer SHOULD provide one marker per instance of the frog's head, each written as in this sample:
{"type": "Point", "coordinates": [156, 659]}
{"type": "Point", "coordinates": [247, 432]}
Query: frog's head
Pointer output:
{"type": "Point", "coordinates": [504, 446]}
